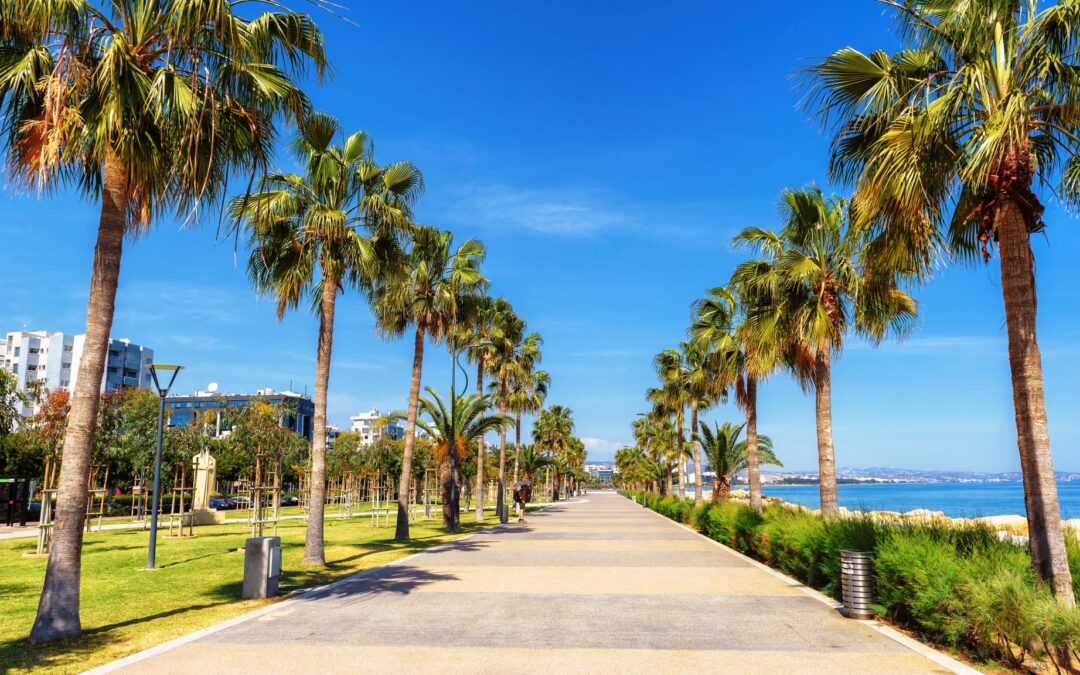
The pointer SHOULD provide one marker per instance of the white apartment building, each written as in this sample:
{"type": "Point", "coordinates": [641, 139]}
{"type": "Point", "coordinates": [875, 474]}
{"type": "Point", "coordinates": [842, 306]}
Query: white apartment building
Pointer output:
{"type": "Point", "coordinates": [53, 359]}
{"type": "Point", "coordinates": [367, 425]}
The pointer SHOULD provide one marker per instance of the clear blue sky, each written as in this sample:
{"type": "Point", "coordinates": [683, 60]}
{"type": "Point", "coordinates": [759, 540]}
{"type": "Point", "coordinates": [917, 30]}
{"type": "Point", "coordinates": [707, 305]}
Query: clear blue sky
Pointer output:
{"type": "Point", "coordinates": [605, 154]}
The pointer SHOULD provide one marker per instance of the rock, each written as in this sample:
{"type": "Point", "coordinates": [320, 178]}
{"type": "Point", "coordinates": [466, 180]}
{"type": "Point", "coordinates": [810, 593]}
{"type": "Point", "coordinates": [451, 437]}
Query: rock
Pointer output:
{"type": "Point", "coordinates": [925, 514]}
{"type": "Point", "coordinates": [999, 521]}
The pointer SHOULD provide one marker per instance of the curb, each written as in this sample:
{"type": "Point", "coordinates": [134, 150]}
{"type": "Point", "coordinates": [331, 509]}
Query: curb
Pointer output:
{"type": "Point", "coordinates": [940, 658]}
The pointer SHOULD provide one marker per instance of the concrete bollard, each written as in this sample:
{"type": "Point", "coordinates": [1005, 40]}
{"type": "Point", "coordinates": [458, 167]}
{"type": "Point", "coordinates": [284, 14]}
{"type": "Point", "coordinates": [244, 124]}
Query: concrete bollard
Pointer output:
{"type": "Point", "coordinates": [262, 567]}
{"type": "Point", "coordinates": [857, 583]}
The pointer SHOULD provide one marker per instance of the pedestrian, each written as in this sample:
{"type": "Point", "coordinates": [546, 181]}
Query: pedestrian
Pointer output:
{"type": "Point", "coordinates": [519, 503]}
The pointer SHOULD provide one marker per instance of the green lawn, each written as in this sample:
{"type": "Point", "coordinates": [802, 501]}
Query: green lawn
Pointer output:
{"type": "Point", "coordinates": [125, 610]}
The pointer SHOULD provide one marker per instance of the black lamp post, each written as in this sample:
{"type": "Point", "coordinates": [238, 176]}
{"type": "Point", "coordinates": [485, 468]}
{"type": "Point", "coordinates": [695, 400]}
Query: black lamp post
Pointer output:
{"type": "Point", "coordinates": [155, 498]}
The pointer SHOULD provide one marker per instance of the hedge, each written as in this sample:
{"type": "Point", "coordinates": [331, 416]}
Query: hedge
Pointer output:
{"type": "Point", "coordinates": [962, 587]}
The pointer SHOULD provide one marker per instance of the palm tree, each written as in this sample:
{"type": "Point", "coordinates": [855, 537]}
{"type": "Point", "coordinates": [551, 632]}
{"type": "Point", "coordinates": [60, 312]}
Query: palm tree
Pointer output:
{"type": "Point", "coordinates": [945, 139]}
{"type": "Point", "coordinates": [484, 333]}
{"type": "Point", "coordinates": [817, 293]}
{"type": "Point", "coordinates": [672, 397]}
{"type": "Point", "coordinates": [427, 293]}
{"type": "Point", "coordinates": [738, 356]}
{"type": "Point", "coordinates": [728, 455]}
{"type": "Point", "coordinates": [469, 422]}
{"type": "Point", "coordinates": [526, 387]}
{"type": "Point", "coordinates": [308, 241]}
{"type": "Point", "coordinates": [528, 390]}
{"type": "Point", "coordinates": [553, 430]}
{"type": "Point", "coordinates": [149, 110]}
{"type": "Point", "coordinates": [532, 460]}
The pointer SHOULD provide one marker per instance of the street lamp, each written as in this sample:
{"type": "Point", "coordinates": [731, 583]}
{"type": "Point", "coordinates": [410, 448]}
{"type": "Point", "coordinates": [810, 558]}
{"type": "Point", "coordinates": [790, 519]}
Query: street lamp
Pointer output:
{"type": "Point", "coordinates": [155, 498]}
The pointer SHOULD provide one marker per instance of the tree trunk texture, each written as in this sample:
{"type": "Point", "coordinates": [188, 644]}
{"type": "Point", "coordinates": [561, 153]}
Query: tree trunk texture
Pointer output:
{"type": "Point", "coordinates": [1046, 539]}
{"type": "Point", "coordinates": [58, 608]}
{"type": "Point", "coordinates": [723, 489]}
{"type": "Point", "coordinates": [479, 448]}
{"type": "Point", "coordinates": [447, 486]}
{"type": "Point", "coordinates": [681, 462]}
{"type": "Point", "coordinates": [668, 485]}
{"type": "Point", "coordinates": [401, 531]}
{"type": "Point", "coordinates": [697, 451]}
{"type": "Point", "coordinates": [500, 499]}
{"type": "Point", "coordinates": [753, 462]}
{"type": "Point", "coordinates": [517, 444]}
{"type": "Point", "coordinates": [830, 506]}
{"type": "Point", "coordinates": [313, 539]}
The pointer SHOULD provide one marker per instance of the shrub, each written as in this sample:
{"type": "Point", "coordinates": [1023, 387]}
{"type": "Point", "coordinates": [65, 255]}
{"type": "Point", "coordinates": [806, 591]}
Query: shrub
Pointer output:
{"type": "Point", "coordinates": [960, 586]}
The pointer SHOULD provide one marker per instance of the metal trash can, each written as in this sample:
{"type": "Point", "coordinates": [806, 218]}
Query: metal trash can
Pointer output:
{"type": "Point", "coordinates": [857, 582]}
{"type": "Point", "coordinates": [262, 567]}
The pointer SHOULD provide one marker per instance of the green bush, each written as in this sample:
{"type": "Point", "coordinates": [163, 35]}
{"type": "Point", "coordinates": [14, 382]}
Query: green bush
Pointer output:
{"type": "Point", "coordinates": [959, 586]}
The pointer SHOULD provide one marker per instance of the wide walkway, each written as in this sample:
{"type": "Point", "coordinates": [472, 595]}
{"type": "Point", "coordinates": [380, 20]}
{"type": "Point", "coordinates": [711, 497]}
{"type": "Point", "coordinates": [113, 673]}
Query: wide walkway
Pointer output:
{"type": "Point", "coordinates": [594, 585]}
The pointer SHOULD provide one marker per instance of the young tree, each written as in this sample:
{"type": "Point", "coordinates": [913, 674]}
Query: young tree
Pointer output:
{"type": "Point", "coordinates": [727, 454]}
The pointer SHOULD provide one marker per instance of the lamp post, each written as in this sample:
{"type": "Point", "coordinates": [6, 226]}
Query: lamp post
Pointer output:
{"type": "Point", "coordinates": [155, 498]}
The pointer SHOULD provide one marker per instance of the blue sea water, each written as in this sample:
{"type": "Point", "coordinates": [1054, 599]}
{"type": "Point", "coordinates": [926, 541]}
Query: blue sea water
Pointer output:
{"type": "Point", "coordinates": [957, 500]}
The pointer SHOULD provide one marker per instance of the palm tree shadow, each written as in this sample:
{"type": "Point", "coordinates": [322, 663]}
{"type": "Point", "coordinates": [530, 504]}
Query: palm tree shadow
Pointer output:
{"type": "Point", "coordinates": [392, 579]}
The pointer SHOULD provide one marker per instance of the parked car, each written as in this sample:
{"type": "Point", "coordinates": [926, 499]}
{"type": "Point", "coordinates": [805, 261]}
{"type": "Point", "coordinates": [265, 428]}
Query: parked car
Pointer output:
{"type": "Point", "coordinates": [241, 502]}
{"type": "Point", "coordinates": [289, 500]}
{"type": "Point", "coordinates": [222, 504]}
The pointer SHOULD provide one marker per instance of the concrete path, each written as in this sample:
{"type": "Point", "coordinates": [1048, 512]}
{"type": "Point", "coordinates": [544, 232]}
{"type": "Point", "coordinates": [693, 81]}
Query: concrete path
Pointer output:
{"type": "Point", "coordinates": [599, 585]}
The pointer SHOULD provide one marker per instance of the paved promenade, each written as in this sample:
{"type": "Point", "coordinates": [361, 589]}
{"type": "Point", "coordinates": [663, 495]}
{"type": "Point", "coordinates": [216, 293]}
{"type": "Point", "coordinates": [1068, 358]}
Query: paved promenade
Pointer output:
{"type": "Point", "coordinates": [598, 585]}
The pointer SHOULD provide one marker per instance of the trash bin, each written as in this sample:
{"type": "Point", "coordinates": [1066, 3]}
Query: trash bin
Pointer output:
{"type": "Point", "coordinates": [262, 567]}
{"type": "Point", "coordinates": [857, 583]}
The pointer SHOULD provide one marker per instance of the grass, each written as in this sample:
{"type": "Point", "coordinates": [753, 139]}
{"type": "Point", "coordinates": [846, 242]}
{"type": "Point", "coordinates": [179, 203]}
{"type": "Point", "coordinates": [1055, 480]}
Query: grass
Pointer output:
{"type": "Point", "coordinates": [198, 584]}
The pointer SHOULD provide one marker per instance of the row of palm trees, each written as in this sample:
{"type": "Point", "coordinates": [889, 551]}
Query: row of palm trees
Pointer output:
{"type": "Point", "coordinates": [946, 146]}
{"type": "Point", "coordinates": [159, 108]}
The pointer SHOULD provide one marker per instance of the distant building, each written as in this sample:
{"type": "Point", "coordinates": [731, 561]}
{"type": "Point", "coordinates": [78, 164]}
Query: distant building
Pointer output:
{"type": "Point", "coordinates": [183, 408]}
{"type": "Point", "coordinates": [601, 472]}
{"type": "Point", "coordinates": [52, 358]}
{"type": "Point", "coordinates": [372, 426]}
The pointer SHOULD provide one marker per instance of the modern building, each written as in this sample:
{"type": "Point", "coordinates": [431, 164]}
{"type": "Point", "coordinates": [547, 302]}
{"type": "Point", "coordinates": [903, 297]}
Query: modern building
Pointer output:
{"type": "Point", "coordinates": [601, 472]}
{"type": "Point", "coordinates": [183, 408]}
{"type": "Point", "coordinates": [52, 358]}
{"type": "Point", "coordinates": [372, 426]}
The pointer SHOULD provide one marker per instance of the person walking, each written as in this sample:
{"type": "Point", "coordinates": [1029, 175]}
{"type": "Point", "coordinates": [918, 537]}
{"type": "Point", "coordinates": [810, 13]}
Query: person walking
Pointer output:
{"type": "Point", "coordinates": [519, 503]}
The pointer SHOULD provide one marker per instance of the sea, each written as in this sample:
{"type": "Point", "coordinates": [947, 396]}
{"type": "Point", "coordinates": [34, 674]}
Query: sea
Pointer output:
{"type": "Point", "coordinates": [956, 500]}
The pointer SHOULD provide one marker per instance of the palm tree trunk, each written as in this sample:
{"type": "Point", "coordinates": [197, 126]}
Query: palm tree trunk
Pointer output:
{"type": "Point", "coordinates": [447, 486]}
{"type": "Point", "coordinates": [58, 608]}
{"type": "Point", "coordinates": [753, 463]}
{"type": "Point", "coordinates": [517, 443]}
{"type": "Point", "coordinates": [479, 446]}
{"type": "Point", "coordinates": [1045, 537]}
{"type": "Point", "coordinates": [668, 470]}
{"type": "Point", "coordinates": [502, 461]}
{"type": "Point", "coordinates": [723, 488]}
{"type": "Point", "coordinates": [830, 505]}
{"type": "Point", "coordinates": [681, 461]}
{"type": "Point", "coordinates": [401, 532]}
{"type": "Point", "coordinates": [313, 539]}
{"type": "Point", "coordinates": [697, 451]}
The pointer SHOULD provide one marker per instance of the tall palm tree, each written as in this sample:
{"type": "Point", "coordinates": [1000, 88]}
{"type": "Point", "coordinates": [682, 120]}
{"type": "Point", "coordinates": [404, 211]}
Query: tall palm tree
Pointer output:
{"type": "Point", "coordinates": [528, 390]}
{"type": "Point", "coordinates": [313, 234]}
{"type": "Point", "coordinates": [817, 293]}
{"type": "Point", "coordinates": [526, 386]}
{"type": "Point", "coordinates": [470, 420]}
{"type": "Point", "coordinates": [148, 108]}
{"type": "Point", "coordinates": [554, 429]}
{"type": "Point", "coordinates": [739, 356]}
{"type": "Point", "coordinates": [427, 293]}
{"type": "Point", "coordinates": [484, 333]}
{"type": "Point", "coordinates": [943, 141]}
{"type": "Point", "coordinates": [704, 378]}
{"type": "Point", "coordinates": [521, 354]}
{"type": "Point", "coordinates": [728, 455]}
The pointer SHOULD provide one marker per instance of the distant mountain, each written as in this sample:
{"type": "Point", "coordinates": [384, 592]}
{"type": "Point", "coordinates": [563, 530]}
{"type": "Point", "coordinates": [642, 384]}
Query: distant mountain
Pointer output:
{"type": "Point", "coordinates": [877, 474]}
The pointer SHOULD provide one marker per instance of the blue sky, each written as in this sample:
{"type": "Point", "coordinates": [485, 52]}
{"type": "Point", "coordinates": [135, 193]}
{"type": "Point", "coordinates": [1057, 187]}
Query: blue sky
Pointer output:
{"type": "Point", "coordinates": [606, 155]}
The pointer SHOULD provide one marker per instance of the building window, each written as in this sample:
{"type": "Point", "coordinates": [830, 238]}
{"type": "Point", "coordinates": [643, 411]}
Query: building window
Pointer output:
{"type": "Point", "coordinates": [67, 348]}
{"type": "Point", "coordinates": [112, 369]}
{"type": "Point", "coordinates": [17, 350]}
